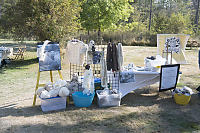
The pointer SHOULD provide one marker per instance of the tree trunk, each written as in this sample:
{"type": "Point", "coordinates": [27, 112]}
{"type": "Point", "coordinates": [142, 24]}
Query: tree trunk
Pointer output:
{"type": "Point", "coordinates": [150, 14]}
{"type": "Point", "coordinates": [196, 6]}
{"type": "Point", "coordinates": [99, 33]}
{"type": "Point", "coordinates": [197, 14]}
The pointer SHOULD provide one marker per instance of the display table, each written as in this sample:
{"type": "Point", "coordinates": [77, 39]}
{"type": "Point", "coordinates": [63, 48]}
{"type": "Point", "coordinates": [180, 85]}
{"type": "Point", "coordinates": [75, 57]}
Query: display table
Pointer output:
{"type": "Point", "coordinates": [5, 52]}
{"type": "Point", "coordinates": [142, 79]}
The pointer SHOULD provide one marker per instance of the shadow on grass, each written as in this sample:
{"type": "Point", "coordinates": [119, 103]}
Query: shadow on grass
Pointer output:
{"type": "Point", "coordinates": [18, 64]}
{"type": "Point", "coordinates": [115, 124]}
{"type": "Point", "coordinates": [31, 47]}
{"type": "Point", "coordinates": [169, 117]}
{"type": "Point", "coordinates": [12, 110]}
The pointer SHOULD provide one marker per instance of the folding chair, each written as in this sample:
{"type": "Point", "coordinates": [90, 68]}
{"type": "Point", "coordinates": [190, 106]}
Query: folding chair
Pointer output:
{"type": "Point", "coordinates": [20, 53]}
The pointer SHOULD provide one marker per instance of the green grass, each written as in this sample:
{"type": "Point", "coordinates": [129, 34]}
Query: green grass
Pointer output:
{"type": "Point", "coordinates": [139, 112]}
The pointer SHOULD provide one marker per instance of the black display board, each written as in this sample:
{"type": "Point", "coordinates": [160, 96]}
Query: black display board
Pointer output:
{"type": "Point", "coordinates": [169, 77]}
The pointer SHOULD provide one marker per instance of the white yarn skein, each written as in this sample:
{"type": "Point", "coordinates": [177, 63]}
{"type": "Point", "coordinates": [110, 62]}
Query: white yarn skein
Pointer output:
{"type": "Point", "coordinates": [63, 83]}
{"type": "Point", "coordinates": [64, 91]}
{"type": "Point", "coordinates": [54, 92]}
{"type": "Point", "coordinates": [39, 91]}
{"type": "Point", "coordinates": [49, 86]}
{"type": "Point", "coordinates": [45, 94]}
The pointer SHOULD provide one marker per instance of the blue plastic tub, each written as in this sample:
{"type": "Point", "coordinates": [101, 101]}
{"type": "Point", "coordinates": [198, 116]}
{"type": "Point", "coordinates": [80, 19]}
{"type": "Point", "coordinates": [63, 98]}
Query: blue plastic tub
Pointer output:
{"type": "Point", "coordinates": [81, 100]}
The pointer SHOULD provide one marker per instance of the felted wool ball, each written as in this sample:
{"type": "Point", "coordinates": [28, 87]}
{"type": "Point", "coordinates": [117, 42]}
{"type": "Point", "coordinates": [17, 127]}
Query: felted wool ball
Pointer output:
{"type": "Point", "coordinates": [86, 91]}
{"type": "Point", "coordinates": [45, 94]}
{"type": "Point", "coordinates": [54, 92]}
{"type": "Point", "coordinates": [49, 86]}
{"type": "Point", "coordinates": [75, 77]}
{"type": "Point", "coordinates": [39, 90]}
{"type": "Point", "coordinates": [64, 92]}
{"type": "Point", "coordinates": [63, 83]}
{"type": "Point", "coordinates": [58, 84]}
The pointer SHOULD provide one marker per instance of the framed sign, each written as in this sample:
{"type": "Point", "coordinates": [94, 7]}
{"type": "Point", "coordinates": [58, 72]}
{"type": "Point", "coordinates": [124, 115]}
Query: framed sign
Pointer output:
{"type": "Point", "coordinates": [168, 77]}
{"type": "Point", "coordinates": [172, 45]}
{"type": "Point", "coordinates": [49, 58]}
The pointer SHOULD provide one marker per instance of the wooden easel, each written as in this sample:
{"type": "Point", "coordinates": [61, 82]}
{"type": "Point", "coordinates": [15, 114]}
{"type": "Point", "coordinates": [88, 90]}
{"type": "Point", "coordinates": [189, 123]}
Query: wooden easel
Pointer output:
{"type": "Point", "coordinates": [41, 85]}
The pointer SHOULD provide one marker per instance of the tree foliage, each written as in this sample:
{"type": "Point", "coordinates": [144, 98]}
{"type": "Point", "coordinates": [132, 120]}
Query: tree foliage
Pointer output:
{"type": "Point", "coordinates": [57, 19]}
{"type": "Point", "coordinates": [104, 14]}
{"type": "Point", "coordinates": [43, 19]}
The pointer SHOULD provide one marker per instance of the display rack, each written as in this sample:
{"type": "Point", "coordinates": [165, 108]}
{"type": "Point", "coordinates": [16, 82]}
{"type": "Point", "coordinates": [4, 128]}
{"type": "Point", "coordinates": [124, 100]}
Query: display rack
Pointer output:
{"type": "Point", "coordinates": [113, 77]}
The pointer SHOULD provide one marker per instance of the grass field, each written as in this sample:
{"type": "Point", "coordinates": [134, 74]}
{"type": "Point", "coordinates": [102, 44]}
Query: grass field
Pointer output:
{"type": "Point", "coordinates": [141, 111]}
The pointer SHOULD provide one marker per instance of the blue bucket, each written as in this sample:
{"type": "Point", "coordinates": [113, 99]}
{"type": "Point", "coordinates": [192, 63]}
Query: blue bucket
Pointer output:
{"type": "Point", "coordinates": [82, 100]}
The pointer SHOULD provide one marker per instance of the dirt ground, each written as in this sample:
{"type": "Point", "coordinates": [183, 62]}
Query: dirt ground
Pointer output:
{"type": "Point", "coordinates": [144, 110]}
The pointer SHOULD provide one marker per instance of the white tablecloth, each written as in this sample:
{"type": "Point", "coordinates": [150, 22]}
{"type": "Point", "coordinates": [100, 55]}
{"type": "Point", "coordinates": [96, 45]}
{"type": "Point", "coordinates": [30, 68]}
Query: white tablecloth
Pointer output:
{"type": "Point", "coordinates": [142, 79]}
{"type": "Point", "coordinates": [5, 52]}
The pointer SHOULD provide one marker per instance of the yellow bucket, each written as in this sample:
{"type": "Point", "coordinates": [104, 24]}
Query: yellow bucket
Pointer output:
{"type": "Point", "coordinates": [181, 99]}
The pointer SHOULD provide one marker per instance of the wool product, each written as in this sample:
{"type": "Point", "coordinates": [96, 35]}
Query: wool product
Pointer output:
{"type": "Point", "coordinates": [104, 92]}
{"type": "Point", "coordinates": [73, 87]}
{"type": "Point", "coordinates": [42, 55]}
{"type": "Point", "coordinates": [90, 57]}
{"type": "Point", "coordinates": [189, 90]}
{"type": "Point", "coordinates": [49, 86]}
{"type": "Point", "coordinates": [39, 91]}
{"type": "Point", "coordinates": [45, 94]}
{"type": "Point", "coordinates": [75, 77]}
{"type": "Point", "coordinates": [109, 57]}
{"type": "Point", "coordinates": [120, 55]}
{"type": "Point", "coordinates": [91, 45]}
{"type": "Point", "coordinates": [60, 83]}
{"type": "Point", "coordinates": [88, 81]}
{"type": "Point", "coordinates": [104, 78]}
{"type": "Point", "coordinates": [115, 66]}
{"type": "Point", "coordinates": [112, 57]}
{"type": "Point", "coordinates": [199, 59]}
{"type": "Point", "coordinates": [86, 91]}
{"type": "Point", "coordinates": [64, 92]}
{"type": "Point", "coordinates": [79, 49]}
{"type": "Point", "coordinates": [54, 92]}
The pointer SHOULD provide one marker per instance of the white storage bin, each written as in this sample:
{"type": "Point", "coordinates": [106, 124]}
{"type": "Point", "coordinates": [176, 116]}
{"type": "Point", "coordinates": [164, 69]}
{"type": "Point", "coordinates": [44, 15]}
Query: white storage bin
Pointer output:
{"type": "Point", "coordinates": [54, 103]}
{"type": "Point", "coordinates": [108, 100]}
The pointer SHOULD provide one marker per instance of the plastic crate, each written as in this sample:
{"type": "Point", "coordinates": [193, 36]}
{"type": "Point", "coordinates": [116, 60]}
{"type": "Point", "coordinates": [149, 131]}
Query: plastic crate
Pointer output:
{"type": "Point", "coordinates": [54, 103]}
{"type": "Point", "coordinates": [108, 100]}
{"type": "Point", "coordinates": [81, 100]}
{"type": "Point", "coordinates": [181, 99]}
